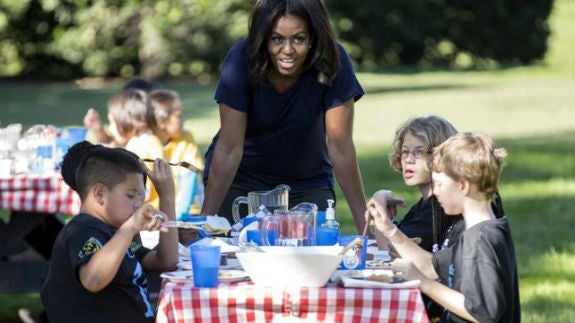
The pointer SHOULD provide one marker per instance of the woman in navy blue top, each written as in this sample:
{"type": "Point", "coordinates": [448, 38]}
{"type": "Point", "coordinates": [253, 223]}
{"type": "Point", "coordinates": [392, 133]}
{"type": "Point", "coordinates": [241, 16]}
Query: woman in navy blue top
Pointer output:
{"type": "Point", "coordinates": [286, 96]}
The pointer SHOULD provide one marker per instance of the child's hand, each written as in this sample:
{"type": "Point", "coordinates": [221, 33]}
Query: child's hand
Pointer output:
{"type": "Point", "coordinates": [92, 119]}
{"type": "Point", "coordinates": [148, 218]}
{"type": "Point", "coordinates": [386, 197]}
{"type": "Point", "coordinates": [162, 177]}
{"type": "Point", "coordinates": [378, 214]}
{"type": "Point", "coordinates": [407, 269]}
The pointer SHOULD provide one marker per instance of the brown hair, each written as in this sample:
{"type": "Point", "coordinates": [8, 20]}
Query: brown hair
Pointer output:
{"type": "Point", "coordinates": [163, 102]}
{"type": "Point", "coordinates": [432, 130]}
{"type": "Point", "coordinates": [132, 111]}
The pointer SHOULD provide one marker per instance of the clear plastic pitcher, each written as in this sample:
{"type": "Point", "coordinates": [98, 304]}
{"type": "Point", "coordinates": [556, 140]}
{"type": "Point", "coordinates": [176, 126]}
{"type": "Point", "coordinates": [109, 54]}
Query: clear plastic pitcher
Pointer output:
{"type": "Point", "coordinates": [276, 199]}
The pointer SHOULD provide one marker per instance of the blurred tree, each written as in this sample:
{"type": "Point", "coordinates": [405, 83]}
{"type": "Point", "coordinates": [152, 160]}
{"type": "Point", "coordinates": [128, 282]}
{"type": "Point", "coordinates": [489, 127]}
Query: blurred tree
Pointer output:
{"type": "Point", "coordinates": [155, 38]}
{"type": "Point", "coordinates": [110, 37]}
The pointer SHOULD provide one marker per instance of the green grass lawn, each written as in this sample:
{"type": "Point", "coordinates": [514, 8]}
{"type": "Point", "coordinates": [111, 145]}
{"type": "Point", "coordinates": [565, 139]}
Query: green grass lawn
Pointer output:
{"type": "Point", "coordinates": [529, 110]}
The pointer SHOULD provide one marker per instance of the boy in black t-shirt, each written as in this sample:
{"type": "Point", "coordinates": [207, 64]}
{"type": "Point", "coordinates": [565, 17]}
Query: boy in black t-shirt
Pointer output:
{"type": "Point", "coordinates": [98, 267]}
{"type": "Point", "coordinates": [481, 282]}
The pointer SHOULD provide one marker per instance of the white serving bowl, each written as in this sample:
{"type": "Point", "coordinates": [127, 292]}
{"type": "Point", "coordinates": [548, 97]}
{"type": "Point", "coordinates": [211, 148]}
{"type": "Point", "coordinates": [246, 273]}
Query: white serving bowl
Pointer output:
{"type": "Point", "coordinates": [291, 267]}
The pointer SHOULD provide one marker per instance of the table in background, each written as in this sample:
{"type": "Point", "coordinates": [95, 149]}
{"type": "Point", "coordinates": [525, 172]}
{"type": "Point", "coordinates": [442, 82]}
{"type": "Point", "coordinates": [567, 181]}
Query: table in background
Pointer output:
{"type": "Point", "coordinates": [34, 202]}
{"type": "Point", "coordinates": [245, 302]}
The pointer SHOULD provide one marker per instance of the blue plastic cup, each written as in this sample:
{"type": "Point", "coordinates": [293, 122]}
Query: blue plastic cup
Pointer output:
{"type": "Point", "coordinates": [326, 236]}
{"type": "Point", "coordinates": [76, 134]}
{"type": "Point", "coordinates": [205, 265]}
{"type": "Point", "coordinates": [355, 257]}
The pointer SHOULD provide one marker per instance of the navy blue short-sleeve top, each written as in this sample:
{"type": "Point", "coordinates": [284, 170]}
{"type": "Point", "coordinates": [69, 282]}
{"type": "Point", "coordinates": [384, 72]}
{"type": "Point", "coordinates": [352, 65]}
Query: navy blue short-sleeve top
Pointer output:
{"type": "Point", "coordinates": [285, 141]}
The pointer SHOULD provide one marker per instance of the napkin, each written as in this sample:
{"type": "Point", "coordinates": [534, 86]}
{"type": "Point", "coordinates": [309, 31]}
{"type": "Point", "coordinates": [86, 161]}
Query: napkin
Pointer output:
{"type": "Point", "coordinates": [217, 225]}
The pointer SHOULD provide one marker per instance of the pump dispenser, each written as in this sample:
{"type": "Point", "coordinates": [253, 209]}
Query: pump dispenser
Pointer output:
{"type": "Point", "coordinates": [330, 221]}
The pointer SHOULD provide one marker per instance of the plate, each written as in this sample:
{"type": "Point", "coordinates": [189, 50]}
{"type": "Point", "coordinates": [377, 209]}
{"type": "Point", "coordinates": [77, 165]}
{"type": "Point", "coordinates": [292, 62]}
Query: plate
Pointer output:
{"type": "Point", "coordinates": [230, 276]}
{"type": "Point", "coordinates": [186, 264]}
{"type": "Point", "coordinates": [187, 276]}
{"type": "Point", "coordinates": [181, 276]}
{"type": "Point", "coordinates": [363, 283]}
{"type": "Point", "coordinates": [360, 274]}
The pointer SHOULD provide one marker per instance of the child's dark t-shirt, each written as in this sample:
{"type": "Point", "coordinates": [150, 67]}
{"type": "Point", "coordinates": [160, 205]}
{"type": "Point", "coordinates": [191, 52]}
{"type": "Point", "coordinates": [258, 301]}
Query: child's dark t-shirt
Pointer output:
{"type": "Point", "coordinates": [125, 299]}
{"type": "Point", "coordinates": [484, 271]}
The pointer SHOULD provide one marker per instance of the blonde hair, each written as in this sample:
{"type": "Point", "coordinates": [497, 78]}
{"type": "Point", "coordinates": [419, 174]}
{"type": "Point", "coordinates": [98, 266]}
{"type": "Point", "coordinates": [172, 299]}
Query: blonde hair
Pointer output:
{"type": "Point", "coordinates": [472, 157]}
{"type": "Point", "coordinates": [432, 130]}
{"type": "Point", "coordinates": [132, 111]}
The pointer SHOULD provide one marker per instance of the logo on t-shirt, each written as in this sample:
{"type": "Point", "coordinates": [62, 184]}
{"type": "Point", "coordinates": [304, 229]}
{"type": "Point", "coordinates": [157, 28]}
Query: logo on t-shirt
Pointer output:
{"type": "Point", "coordinates": [90, 247]}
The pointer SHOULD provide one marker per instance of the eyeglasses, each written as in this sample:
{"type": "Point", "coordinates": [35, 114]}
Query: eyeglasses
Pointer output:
{"type": "Point", "coordinates": [417, 153]}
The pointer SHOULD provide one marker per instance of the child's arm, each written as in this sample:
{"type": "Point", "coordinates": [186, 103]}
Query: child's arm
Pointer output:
{"type": "Point", "coordinates": [165, 256]}
{"type": "Point", "coordinates": [449, 298]}
{"type": "Point", "coordinates": [99, 271]}
{"type": "Point", "coordinates": [93, 122]}
{"type": "Point", "coordinates": [378, 211]}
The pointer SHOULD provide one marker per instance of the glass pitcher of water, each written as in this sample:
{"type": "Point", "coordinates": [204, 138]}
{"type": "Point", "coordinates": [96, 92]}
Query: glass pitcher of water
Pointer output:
{"type": "Point", "coordinates": [276, 199]}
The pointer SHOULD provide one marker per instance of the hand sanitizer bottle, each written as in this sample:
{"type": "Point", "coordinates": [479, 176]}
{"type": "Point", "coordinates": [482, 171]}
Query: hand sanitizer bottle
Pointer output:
{"type": "Point", "coordinates": [329, 232]}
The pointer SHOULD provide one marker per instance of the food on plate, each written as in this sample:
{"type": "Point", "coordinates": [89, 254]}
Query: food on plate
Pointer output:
{"type": "Point", "coordinates": [380, 278]}
{"type": "Point", "coordinates": [377, 263]}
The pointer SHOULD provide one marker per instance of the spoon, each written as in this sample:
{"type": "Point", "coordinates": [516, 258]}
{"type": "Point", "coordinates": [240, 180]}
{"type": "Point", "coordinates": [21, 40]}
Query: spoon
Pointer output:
{"type": "Point", "coordinates": [184, 164]}
{"type": "Point", "coordinates": [181, 224]}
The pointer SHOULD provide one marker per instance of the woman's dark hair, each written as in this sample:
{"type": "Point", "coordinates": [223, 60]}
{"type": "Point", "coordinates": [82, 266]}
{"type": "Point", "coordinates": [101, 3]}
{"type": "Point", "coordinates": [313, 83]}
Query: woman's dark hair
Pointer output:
{"type": "Point", "coordinates": [323, 54]}
{"type": "Point", "coordinates": [86, 164]}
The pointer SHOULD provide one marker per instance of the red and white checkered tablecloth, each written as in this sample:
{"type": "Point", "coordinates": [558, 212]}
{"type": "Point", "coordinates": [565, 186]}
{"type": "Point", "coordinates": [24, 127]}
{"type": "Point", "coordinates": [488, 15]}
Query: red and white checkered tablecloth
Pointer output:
{"type": "Point", "coordinates": [40, 193]}
{"type": "Point", "coordinates": [245, 302]}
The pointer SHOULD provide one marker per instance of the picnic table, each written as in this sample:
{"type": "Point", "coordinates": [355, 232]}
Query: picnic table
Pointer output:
{"type": "Point", "coordinates": [35, 203]}
{"type": "Point", "coordinates": [246, 302]}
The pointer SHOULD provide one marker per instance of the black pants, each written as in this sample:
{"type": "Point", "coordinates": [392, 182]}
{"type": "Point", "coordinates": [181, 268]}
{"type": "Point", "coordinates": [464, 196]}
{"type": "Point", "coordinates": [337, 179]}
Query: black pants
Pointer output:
{"type": "Point", "coordinates": [318, 196]}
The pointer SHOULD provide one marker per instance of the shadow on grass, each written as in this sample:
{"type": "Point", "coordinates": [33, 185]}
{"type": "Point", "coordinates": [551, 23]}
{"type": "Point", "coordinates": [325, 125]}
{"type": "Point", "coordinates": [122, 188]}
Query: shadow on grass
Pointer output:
{"type": "Point", "coordinates": [370, 89]}
{"type": "Point", "coordinates": [64, 103]}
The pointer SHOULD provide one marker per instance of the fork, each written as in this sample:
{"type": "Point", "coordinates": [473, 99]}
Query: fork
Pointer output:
{"type": "Point", "coordinates": [184, 164]}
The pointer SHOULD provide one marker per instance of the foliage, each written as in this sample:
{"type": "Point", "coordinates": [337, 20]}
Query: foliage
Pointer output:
{"type": "Point", "coordinates": [109, 37]}
{"type": "Point", "coordinates": [460, 33]}
{"type": "Point", "coordinates": [73, 38]}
